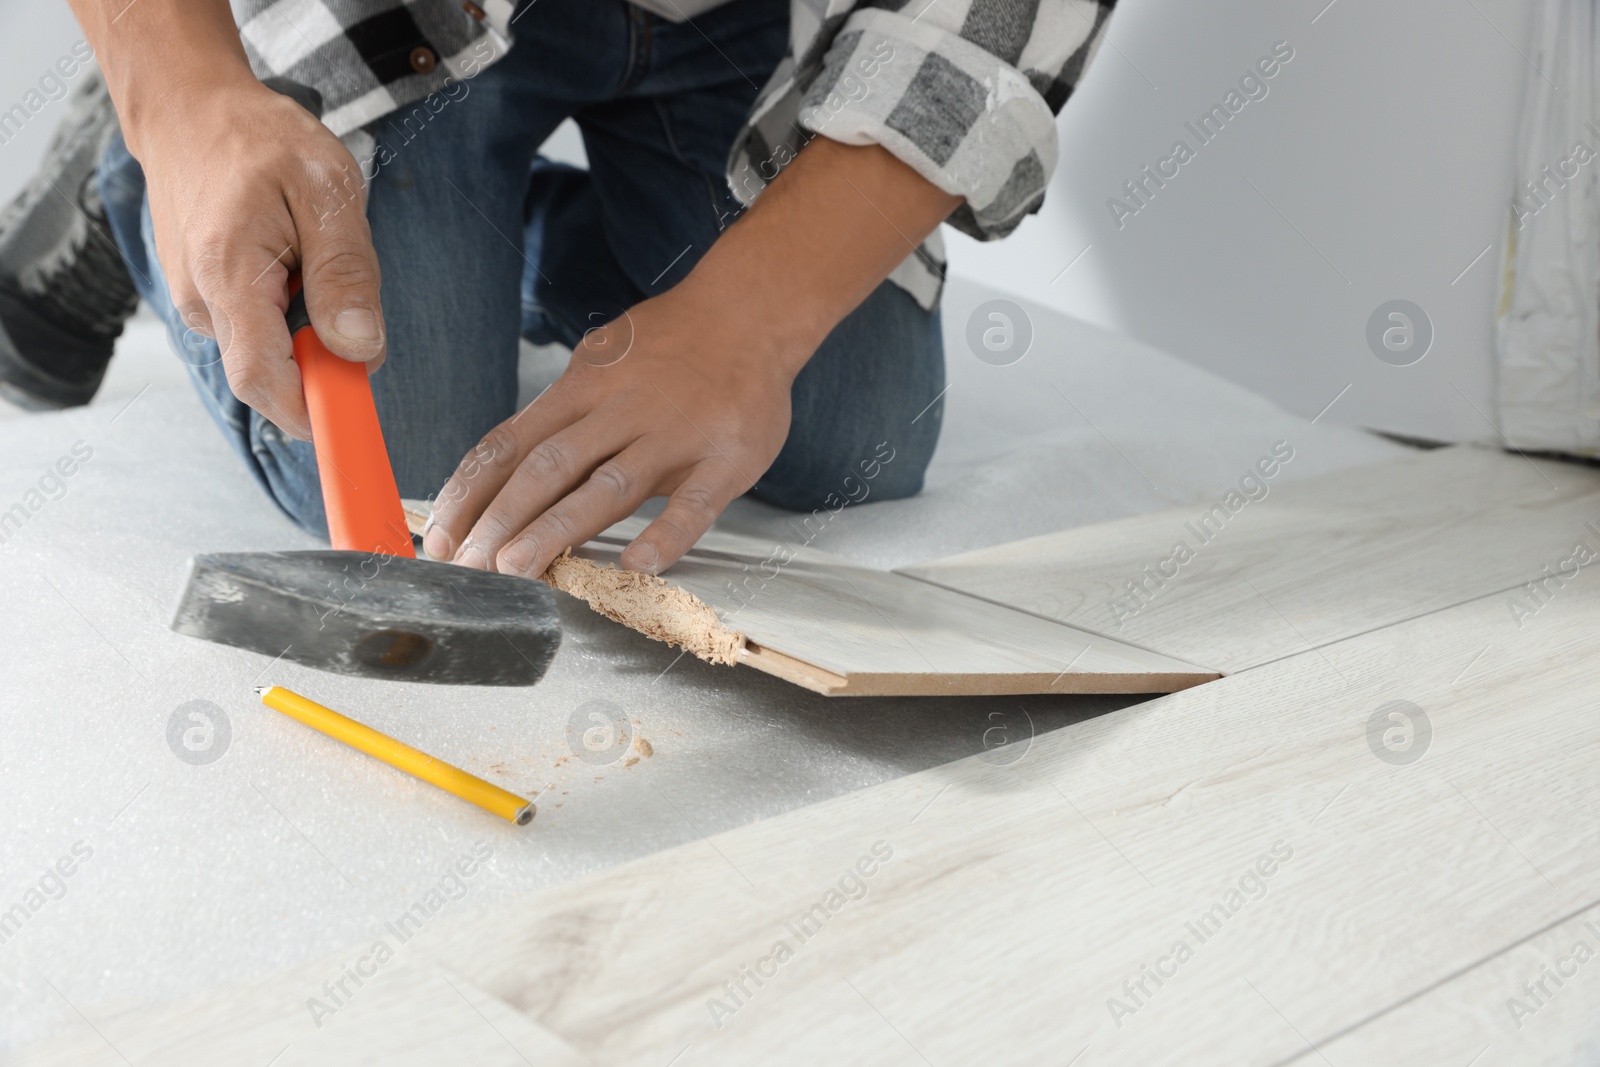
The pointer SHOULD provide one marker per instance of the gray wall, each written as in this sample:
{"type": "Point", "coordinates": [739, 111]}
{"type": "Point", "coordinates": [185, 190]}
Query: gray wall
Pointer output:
{"type": "Point", "coordinates": [1377, 167]}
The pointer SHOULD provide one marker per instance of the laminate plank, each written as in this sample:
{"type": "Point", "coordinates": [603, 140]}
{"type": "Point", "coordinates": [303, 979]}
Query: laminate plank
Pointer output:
{"type": "Point", "coordinates": [1029, 909]}
{"type": "Point", "coordinates": [842, 629]}
{"type": "Point", "coordinates": [1311, 562]}
{"type": "Point", "coordinates": [407, 1010]}
{"type": "Point", "coordinates": [1534, 1004]}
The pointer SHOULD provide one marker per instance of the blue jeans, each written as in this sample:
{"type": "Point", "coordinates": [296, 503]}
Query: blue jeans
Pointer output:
{"type": "Point", "coordinates": [481, 240]}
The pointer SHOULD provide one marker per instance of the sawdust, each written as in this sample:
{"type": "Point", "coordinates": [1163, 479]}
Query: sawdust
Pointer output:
{"type": "Point", "coordinates": [641, 749]}
{"type": "Point", "coordinates": [647, 604]}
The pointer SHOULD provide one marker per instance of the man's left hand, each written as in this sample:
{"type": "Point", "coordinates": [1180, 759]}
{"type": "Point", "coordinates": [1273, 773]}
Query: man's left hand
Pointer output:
{"type": "Point", "coordinates": [675, 398]}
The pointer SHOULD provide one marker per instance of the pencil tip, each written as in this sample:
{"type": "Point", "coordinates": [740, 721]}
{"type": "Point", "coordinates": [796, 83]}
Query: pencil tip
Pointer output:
{"type": "Point", "coordinates": [259, 689]}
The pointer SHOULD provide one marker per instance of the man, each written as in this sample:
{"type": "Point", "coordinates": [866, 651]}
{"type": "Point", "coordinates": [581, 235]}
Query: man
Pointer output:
{"type": "Point", "coordinates": [724, 342]}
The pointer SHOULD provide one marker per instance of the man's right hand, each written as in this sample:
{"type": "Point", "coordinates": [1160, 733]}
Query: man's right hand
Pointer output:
{"type": "Point", "coordinates": [244, 186]}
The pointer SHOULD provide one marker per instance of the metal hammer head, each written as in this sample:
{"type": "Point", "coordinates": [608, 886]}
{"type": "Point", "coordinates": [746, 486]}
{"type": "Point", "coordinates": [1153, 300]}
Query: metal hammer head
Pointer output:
{"type": "Point", "coordinates": [374, 615]}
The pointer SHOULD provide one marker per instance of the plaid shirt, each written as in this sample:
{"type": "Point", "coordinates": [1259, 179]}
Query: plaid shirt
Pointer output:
{"type": "Point", "coordinates": [963, 91]}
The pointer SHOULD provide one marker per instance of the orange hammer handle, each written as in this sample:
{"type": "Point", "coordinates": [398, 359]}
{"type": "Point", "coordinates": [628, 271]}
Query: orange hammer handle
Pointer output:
{"type": "Point", "coordinates": [358, 487]}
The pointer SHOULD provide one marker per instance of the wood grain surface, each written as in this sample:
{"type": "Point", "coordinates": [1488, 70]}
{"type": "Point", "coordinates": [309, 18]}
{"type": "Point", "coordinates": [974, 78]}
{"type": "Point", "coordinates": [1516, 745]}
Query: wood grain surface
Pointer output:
{"type": "Point", "coordinates": [1310, 562]}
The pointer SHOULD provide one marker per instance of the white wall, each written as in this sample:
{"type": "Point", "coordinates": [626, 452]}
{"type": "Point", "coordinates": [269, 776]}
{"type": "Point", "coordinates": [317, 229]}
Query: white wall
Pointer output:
{"type": "Point", "coordinates": [1386, 142]}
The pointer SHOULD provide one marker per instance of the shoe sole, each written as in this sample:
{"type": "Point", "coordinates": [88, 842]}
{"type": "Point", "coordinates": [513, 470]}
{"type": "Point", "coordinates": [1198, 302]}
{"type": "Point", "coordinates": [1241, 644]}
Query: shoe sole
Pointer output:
{"type": "Point", "coordinates": [28, 387]}
{"type": "Point", "coordinates": [26, 401]}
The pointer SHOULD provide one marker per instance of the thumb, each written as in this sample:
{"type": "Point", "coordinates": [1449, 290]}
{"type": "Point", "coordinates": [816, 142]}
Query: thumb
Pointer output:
{"type": "Point", "coordinates": [339, 271]}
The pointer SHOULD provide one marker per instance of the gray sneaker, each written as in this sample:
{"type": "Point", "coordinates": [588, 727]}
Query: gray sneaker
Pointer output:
{"type": "Point", "coordinates": [65, 291]}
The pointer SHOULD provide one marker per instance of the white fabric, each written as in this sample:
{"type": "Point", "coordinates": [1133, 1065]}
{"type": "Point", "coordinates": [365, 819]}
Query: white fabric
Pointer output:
{"type": "Point", "coordinates": [1547, 324]}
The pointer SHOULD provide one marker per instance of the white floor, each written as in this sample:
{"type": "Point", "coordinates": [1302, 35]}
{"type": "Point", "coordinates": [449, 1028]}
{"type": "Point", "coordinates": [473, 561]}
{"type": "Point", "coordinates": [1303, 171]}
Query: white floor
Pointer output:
{"type": "Point", "coordinates": [289, 846]}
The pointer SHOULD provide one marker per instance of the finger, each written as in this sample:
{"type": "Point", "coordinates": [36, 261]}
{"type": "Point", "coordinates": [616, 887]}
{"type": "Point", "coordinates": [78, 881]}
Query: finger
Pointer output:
{"type": "Point", "coordinates": [484, 471]}
{"type": "Point", "coordinates": [550, 470]}
{"type": "Point", "coordinates": [615, 489]}
{"type": "Point", "coordinates": [689, 513]}
{"type": "Point", "coordinates": [256, 351]}
{"type": "Point", "coordinates": [339, 269]}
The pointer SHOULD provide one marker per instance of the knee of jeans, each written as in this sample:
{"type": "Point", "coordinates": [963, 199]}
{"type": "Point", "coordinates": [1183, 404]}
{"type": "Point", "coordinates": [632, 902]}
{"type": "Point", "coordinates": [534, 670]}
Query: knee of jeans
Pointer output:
{"type": "Point", "coordinates": [889, 471]}
{"type": "Point", "coordinates": [902, 477]}
{"type": "Point", "coordinates": [287, 470]}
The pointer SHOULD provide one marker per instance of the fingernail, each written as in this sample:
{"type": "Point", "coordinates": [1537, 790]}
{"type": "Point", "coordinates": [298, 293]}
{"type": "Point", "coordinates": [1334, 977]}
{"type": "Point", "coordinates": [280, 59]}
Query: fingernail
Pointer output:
{"type": "Point", "coordinates": [473, 556]}
{"type": "Point", "coordinates": [435, 541]}
{"type": "Point", "coordinates": [358, 324]}
{"type": "Point", "coordinates": [517, 558]}
{"type": "Point", "coordinates": [645, 558]}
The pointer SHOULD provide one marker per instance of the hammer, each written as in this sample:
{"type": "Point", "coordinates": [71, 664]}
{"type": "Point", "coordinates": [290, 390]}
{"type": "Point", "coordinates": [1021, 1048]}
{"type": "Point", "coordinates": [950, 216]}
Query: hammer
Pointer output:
{"type": "Point", "coordinates": [368, 607]}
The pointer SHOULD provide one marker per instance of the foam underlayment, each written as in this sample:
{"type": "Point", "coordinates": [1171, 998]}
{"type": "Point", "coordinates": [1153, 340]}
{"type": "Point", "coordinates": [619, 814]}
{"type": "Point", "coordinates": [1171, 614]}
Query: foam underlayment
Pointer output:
{"type": "Point", "coordinates": [289, 845]}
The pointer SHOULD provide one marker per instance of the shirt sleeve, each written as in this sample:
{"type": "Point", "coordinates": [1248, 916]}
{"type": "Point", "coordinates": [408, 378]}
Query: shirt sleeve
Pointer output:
{"type": "Point", "coordinates": [963, 91]}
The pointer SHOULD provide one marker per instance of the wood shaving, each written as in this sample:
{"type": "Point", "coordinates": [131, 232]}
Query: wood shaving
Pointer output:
{"type": "Point", "coordinates": [648, 604]}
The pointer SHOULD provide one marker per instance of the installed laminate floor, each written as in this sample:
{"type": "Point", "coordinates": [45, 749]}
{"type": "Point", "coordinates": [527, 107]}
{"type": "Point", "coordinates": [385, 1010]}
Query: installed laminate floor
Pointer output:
{"type": "Point", "coordinates": [1309, 562]}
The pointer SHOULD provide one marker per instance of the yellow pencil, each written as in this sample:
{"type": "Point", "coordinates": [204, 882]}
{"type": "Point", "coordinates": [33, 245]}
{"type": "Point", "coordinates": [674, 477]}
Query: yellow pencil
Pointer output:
{"type": "Point", "coordinates": [468, 787]}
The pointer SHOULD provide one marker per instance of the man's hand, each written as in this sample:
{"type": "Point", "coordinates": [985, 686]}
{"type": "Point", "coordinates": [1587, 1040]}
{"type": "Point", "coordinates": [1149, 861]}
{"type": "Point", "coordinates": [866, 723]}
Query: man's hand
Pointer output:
{"type": "Point", "coordinates": [244, 185]}
{"type": "Point", "coordinates": [687, 395]}
{"type": "Point", "coordinates": [680, 398]}
{"type": "Point", "coordinates": [246, 188]}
